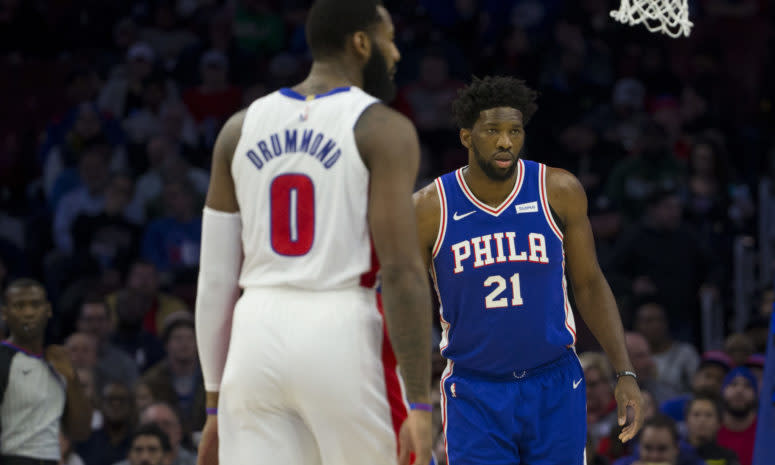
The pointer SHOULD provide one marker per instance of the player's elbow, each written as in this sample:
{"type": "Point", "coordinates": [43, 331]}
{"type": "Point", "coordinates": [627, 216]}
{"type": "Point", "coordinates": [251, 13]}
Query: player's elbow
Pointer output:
{"type": "Point", "coordinates": [404, 275]}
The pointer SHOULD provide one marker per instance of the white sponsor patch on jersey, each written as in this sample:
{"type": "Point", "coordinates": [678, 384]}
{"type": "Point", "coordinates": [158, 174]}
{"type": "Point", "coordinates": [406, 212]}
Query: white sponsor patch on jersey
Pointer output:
{"type": "Point", "coordinates": [529, 207]}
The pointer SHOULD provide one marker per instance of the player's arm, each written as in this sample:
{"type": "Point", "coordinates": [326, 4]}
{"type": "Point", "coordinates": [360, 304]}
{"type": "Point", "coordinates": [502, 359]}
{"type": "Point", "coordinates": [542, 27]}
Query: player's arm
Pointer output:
{"type": "Point", "coordinates": [388, 144]}
{"type": "Point", "coordinates": [427, 210]}
{"type": "Point", "coordinates": [220, 261]}
{"type": "Point", "coordinates": [593, 295]}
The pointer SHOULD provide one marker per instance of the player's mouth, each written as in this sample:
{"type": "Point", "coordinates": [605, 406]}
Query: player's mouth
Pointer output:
{"type": "Point", "coordinates": [503, 160]}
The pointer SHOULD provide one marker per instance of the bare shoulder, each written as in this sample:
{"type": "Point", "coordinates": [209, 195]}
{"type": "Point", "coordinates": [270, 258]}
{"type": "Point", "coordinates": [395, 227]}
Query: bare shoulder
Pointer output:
{"type": "Point", "coordinates": [427, 209]}
{"type": "Point", "coordinates": [377, 115]}
{"type": "Point", "coordinates": [426, 202]}
{"type": "Point", "coordinates": [227, 140]}
{"type": "Point", "coordinates": [380, 127]}
{"type": "Point", "coordinates": [566, 194]}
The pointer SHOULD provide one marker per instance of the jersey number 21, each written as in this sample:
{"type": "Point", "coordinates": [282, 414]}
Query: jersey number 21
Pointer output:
{"type": "Point", "coordinates": [494, 300]}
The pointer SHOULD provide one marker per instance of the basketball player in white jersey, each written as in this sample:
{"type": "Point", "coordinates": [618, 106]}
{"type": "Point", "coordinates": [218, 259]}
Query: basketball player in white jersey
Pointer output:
{"type": "Point", "coordinates": [296, 366]}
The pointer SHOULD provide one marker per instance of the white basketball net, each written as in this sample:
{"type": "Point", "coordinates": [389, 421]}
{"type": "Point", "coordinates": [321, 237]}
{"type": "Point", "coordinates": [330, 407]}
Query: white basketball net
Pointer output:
{"type": "Point", "coordinates": [669, 17]}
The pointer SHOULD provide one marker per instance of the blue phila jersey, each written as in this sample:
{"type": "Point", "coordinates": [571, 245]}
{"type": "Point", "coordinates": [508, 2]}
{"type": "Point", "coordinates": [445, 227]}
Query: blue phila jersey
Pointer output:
{"type": "Point", "coordinates": [500, 276]}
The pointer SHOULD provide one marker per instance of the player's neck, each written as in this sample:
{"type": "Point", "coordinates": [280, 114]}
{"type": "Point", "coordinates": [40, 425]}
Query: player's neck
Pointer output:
{"type": "Point", "coordinates": [490, 191]}
{"type": "Point", "coordinates": [328, 75]}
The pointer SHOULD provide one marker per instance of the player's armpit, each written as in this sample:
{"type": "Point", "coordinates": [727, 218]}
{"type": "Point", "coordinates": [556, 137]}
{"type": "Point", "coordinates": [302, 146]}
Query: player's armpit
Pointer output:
{"type": "Point", "coordinates": [427, 209]}
{"type": "Point", "coordinates": [389, 147]}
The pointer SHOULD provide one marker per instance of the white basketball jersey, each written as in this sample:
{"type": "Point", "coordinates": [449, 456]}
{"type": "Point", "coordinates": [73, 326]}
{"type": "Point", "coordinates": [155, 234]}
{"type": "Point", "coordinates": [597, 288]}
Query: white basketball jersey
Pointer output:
{"type": "Point", "coordinates": [303, 191]}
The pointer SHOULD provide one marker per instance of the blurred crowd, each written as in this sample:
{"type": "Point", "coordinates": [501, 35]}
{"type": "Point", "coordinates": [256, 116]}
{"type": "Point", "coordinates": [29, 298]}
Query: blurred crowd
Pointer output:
{"type": "Point", "coordinates": [110, 111]}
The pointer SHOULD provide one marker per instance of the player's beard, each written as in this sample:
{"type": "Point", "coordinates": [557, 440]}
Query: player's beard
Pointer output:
{"type": "Point", "coordinates": [377, 80]}
{"type": "Point", "coordinates": [489, 169]}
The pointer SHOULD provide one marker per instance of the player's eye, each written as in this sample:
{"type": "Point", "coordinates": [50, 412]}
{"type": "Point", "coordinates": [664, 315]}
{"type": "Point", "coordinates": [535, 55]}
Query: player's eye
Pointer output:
{"type": "Point", "coordinates": [514, 132]}
{"type": "Point", "coordinates": [491, 131]}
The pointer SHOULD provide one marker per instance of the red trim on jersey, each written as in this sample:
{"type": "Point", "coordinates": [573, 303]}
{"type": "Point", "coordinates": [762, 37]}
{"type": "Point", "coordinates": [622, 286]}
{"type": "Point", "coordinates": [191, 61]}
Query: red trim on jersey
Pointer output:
{"type": "Point", "coordinates": [545, 200]}
{"type": "Point", "coordinates": [445, 377]}
{"type": "Point", "coordinates": [483, 206]}
{"type": "Point", "coordinates": [369, 278]}
{"type": "Point", "coordinates": [443, 219]}
{"type": "Point", "coordinates": [395, 396]}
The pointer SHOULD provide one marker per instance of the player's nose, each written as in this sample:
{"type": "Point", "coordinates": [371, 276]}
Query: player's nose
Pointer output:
{"type": "Point", "coordinates": [504, 143]}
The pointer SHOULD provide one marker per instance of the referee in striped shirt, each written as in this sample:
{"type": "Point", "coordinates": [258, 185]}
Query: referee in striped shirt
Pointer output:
{"type": "Point", "coordinates": [39, 392]}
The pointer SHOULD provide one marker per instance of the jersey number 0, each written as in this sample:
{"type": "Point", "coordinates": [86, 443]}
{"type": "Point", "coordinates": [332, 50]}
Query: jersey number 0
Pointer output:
{"type": "Point", "coordinates": [292, 204]}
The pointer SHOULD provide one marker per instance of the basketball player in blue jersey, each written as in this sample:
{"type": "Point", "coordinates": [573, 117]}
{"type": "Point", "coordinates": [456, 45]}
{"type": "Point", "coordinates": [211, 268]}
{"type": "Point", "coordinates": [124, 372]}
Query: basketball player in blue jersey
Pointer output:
{"type": "Point", "coordinates": [498, 236]}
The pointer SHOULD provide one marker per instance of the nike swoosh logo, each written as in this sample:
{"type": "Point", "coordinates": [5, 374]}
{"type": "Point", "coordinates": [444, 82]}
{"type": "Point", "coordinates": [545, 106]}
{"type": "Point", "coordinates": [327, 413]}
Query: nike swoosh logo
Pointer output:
{"type": "Point", "coordinates": [576, 383]}
{"type": "Point", "coordinates": [26, 372]}
{"type": "Point", "coordinates": [457, 217]}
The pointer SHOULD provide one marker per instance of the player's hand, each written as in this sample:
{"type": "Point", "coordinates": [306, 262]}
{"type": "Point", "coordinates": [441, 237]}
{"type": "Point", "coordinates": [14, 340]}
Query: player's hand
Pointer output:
{"type": "Point", "coordinates": [415, 437]}
{"type": "Point", "coordinates": [208, 443]}
{"type": "Point", "coordinates": [59, 359]}
{"type": "Point", "coordinates": [627, 394]}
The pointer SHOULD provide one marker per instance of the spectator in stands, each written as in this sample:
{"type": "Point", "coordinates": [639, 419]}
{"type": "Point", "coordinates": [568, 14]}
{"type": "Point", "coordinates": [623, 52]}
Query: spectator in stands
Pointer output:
{"type": "Point", "coordinates": [663, 257]}
{"type": "Point", "coordinates": [62, 152]}
{"type": "Point", "coordinates": [659, 443]}
{"type": "Point", "coordinates": [643, 362]}
{"type": "Point", "coordinates": [143, 123]}
{"type": "Point", "coordinates": [676, 361]}
{"type": "Point", "coordinates": [707, 196]}
{"type": "Point", "coordinates": [143, 277]}
{"type": "Point", "coordinates": [88, 379]}
{"type": "Point", "coordinates": [165, 160]}
{"type": "Point", "coordinates": [143, 347]}
{"type": "Point", "coordinates": [123, 92]}
{"type": "Point", "coordinates": [110, 443]}
{"type": "Point", "coordinates": [177, 380]}
{"type": "Point", "coordinates": [650, 168]}
{"type": "Point", "coordinates": [172, 242]}
{"type": "Point", "coordinates": [112, 362]}
{"type": "Point", "coordinates": [215, 98]}
{"type": "Point", "coordinates": [163, 416]}
{"type": "Point", "coordinates": [93, 168]}
{"type": "Point", "coordinates": [601, 404]}
{"type": "Point", "coordinates": [110, 237]}
{"type": "Point", "coordinates": [428, 99]}
{"type": "Point", "coordinates": [738, 347]}
{"type": "Point", "coordinates": [149, 445]}
{"type": "Point", "coordinates": [82, 350]}
{"type": "Point", "coordinates": [621, 120]}
{"type": "Point", "coordinates": [143, 395]}
{"type": "Point", "coordinates": [709, 376]}
{"type": "Point", "coordinates": [738, 425]}
{"type": "Point", "coordinates": [165, 34]}
{"type": "Point", "coordinates": [703, 421]}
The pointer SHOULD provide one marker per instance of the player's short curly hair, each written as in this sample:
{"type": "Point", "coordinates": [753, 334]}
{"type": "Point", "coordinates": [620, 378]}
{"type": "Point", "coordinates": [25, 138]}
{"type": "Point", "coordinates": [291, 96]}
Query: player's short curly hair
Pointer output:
{"type": "Point", "coordinates": [492, 92]}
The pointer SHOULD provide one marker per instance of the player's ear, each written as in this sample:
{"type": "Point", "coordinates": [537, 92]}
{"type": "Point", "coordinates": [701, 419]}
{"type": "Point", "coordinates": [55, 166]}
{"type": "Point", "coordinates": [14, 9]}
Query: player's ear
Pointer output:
{"type": "Point", "coordinates": [465, 137]}
{"type": "Point", "coordinates": [361, 43]}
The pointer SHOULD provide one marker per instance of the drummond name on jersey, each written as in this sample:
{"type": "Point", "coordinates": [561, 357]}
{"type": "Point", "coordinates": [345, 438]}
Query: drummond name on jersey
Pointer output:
{"type": "Point", "coordinates": [296, 141]}
{"type": "Point", "coordinates": [499, 248]}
